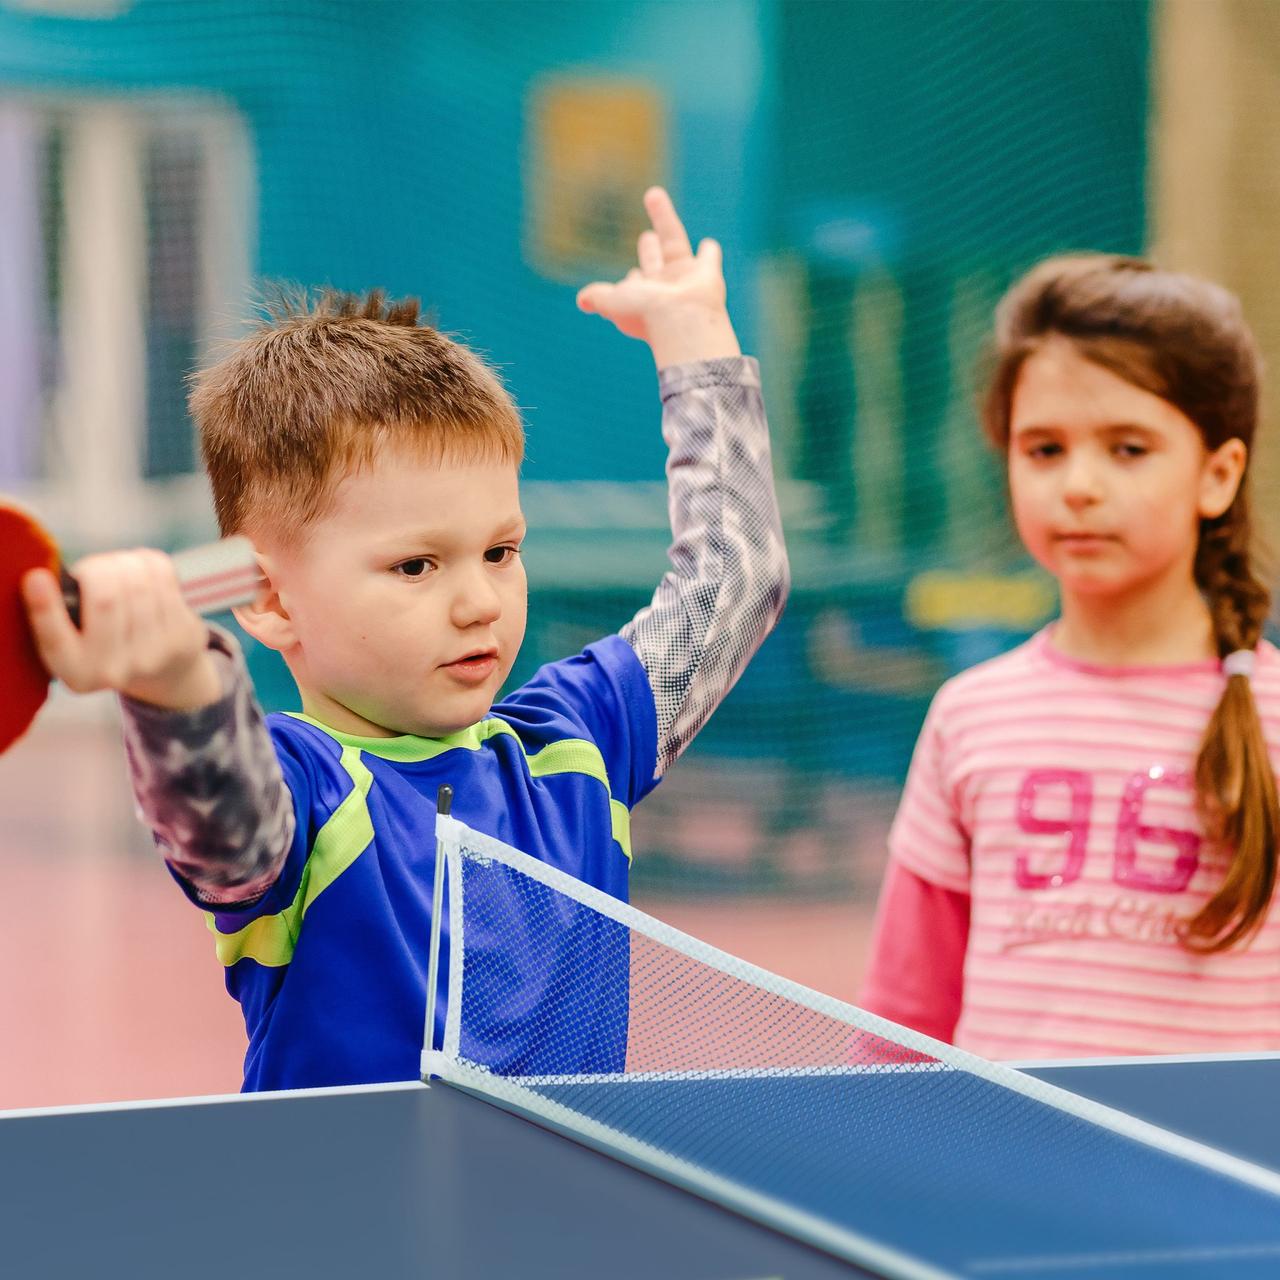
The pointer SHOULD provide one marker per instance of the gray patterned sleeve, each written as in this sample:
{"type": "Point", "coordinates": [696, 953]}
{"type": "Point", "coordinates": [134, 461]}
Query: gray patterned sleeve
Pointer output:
{"type": "Point", "coordinates": [729, 575]}
{"type": "Point", "coordinates": [209, 786]}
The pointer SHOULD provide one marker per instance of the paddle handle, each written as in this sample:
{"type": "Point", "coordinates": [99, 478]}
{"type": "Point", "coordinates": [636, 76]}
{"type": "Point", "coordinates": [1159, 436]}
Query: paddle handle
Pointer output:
{"type": "Point", "coordinates": [217, 576]}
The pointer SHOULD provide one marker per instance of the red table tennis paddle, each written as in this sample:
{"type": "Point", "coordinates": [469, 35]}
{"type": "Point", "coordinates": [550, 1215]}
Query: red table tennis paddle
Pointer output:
{"type": "Point", "coordinates": [214, 577]}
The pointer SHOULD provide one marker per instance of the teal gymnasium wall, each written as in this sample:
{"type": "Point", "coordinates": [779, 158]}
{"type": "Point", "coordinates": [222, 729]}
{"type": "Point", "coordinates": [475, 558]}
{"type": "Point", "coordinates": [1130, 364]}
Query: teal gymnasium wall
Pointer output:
{"type": "Point", "coordinates": [833, 147]}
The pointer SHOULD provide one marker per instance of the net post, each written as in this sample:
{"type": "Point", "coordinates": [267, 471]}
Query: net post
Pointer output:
{"type": "Point", "coordinates": [444, 804]}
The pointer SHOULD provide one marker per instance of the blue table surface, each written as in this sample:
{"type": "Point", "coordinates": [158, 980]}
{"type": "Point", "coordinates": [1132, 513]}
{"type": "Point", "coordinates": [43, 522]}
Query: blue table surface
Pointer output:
{"type": "Point", "coordinates": [961, 1172]}
{"type": "Point", "coordinates": [414, 1180]}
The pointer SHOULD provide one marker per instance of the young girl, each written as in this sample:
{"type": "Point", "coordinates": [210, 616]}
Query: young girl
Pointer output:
{"type": "Point", "coordinates": [1084, 856]}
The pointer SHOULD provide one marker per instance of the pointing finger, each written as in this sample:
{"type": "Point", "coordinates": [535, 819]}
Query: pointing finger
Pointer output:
{"type": "Point", "coordinates": [666, 222]}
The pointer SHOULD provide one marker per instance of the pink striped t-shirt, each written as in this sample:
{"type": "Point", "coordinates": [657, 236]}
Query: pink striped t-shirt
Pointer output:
{"type": "Point", "coordinates": [1057, 797]}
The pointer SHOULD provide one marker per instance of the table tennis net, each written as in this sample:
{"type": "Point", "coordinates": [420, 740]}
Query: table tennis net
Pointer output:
{"type": "Point", "coordinates": [594, 1018]}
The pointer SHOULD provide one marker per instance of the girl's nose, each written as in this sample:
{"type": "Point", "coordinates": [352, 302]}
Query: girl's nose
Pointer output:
{"type": "Point", "coordinates": [1081, 485]}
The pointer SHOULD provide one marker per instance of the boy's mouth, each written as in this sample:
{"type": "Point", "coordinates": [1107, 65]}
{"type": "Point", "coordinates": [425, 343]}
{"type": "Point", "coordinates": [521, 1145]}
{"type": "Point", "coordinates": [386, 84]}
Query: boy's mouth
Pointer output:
{"type": "Point", "coordinates": [473, 667]}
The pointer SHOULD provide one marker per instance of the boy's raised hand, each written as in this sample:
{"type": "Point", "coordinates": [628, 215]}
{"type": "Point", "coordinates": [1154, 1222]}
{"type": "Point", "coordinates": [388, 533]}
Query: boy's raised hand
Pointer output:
{"type": "Point", "coordinates": [674, 299]}
{"type": "Point", "coordinates": [137, 634]}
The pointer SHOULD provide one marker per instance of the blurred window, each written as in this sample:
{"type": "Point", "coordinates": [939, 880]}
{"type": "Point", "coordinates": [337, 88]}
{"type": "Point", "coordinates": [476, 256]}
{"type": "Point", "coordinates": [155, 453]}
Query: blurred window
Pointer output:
{"type": "Point", "coordinates": [124, 253]}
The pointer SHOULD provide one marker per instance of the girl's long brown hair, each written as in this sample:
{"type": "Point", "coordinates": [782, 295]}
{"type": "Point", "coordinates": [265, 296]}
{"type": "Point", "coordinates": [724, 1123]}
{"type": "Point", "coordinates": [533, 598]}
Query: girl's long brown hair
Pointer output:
{"type": "Point", "coordinates": [1186, 341]}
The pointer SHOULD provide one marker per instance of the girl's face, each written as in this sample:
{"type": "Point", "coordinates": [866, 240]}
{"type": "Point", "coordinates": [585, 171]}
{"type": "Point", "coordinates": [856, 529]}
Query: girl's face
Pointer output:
{"type": "Point", "coordinates": [1109, 482]}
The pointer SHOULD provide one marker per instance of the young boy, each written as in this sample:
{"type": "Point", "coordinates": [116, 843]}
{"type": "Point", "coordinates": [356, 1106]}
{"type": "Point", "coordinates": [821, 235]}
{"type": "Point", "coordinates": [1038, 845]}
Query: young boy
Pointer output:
{"type": "Point", "coordinates": [374, 463]}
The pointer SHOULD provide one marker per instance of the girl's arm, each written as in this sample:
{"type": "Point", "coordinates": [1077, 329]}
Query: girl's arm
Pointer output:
{"type": "Point", "coordinates": [916, 970]}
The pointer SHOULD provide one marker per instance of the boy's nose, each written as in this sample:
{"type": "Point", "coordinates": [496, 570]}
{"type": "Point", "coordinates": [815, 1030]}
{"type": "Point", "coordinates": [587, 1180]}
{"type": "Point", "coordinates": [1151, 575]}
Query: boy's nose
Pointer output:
{"type": "Point", "coordinates": [476, 602]}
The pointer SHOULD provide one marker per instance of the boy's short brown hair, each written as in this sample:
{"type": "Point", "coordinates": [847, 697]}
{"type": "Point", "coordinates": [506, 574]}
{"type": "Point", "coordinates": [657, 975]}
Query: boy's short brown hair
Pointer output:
{"type": "Point", "coordinates": [320, 386]}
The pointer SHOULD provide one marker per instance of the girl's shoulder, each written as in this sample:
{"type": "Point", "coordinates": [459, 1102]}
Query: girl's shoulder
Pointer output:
{"type": "Point", "coordinates": [1269, 654]}
{"type": "Point", "coordinates": [998, 677]}
{"type": "Point", "coordinates": [1266, 676]}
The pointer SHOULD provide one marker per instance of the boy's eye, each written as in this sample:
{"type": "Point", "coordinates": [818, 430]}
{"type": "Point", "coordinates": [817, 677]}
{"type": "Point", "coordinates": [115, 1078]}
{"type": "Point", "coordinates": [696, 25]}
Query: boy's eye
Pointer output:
{"type": "Point", "coordinates": [501, 555]}
{"type": "Point", "coordinates": [1130, 449]}
{"type": "Point", "coordinates": [414, 568]}
{"type": "Point", "coordinates": [1046, 450]}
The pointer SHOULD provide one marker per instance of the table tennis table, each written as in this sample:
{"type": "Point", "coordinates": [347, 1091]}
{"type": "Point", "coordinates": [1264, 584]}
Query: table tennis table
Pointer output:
{"type": "Point", "coordinates": [422, 1179]}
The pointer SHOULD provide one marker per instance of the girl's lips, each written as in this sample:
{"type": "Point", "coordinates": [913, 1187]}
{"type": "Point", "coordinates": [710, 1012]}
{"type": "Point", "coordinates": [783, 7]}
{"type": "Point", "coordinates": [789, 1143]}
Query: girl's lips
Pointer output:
{"type": "Point", "coordinates": [1085, 541]}
{"type": "Point", "coordinates": [473, 670]}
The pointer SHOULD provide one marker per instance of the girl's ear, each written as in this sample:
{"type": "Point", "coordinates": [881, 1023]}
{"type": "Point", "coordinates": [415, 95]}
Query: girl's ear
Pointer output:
{"type": "Point", "coordinates": [266, 619]}
{"type": "Point", "coordinates": [1220, 478]}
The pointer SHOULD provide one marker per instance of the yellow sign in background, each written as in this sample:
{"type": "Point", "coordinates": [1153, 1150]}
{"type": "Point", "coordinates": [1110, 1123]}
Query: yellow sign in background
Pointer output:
{"type": "Point", "coordinates": [595, 145]}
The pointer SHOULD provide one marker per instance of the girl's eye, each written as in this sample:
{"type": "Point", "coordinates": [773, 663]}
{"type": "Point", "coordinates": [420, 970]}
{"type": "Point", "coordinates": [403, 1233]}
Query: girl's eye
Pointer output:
{"type": "Point", "coordinates": [1130, 450]}
{"type": "Point", "coordinates": [414, 568]}
{"type": "Point", "coordinates": [1044, 450]}
{"type": "Point", "coordinates": [501, 555]}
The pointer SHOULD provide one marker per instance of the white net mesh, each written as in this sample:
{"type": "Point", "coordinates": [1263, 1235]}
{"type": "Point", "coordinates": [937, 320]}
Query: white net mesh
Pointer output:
{"type": "Point", "coordinates": [865, 1138]}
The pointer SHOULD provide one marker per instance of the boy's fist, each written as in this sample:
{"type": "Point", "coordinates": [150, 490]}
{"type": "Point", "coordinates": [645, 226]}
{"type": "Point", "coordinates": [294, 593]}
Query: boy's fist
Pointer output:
{"type": "Point", "coordinates": [674, 299]}
{"type": "Point", "coordinates": [137, 635]}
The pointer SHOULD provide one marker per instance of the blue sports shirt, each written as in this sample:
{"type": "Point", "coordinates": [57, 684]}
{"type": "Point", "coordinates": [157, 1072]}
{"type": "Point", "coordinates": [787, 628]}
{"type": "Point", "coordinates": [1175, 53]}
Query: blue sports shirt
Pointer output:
{"type": "Point", "coordinates": [553, 770]}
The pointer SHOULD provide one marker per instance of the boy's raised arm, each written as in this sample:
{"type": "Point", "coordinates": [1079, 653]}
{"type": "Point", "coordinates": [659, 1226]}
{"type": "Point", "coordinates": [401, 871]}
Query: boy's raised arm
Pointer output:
{"type": "Point", "coordinates": [729, 576]}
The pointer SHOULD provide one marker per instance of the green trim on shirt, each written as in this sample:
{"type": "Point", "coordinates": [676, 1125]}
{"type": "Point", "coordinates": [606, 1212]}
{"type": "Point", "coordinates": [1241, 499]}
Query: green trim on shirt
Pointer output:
{"type": "Point", "coordinates": [407, 749]}
{"type": "Point", "coordinates": [270, 940]}
{"type": "Point", "coordinates": [569, 755]}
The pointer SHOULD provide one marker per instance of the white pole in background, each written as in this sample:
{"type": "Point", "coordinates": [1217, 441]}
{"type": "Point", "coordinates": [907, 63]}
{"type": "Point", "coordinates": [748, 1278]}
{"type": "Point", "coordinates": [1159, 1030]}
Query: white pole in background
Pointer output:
{"type": "Point", "coordinates": [101, 409]}
{"type": "Point", "coordinates": [22, 302]}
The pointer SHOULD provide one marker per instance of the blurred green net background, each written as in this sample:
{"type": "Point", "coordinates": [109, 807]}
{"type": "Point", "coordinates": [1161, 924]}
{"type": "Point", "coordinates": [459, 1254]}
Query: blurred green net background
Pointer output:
{"type": "Point", "coordinates": [877, 171]}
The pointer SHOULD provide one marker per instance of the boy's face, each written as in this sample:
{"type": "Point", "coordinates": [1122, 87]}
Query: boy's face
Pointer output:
{"type": "Point", "coordinates": [406, 602]}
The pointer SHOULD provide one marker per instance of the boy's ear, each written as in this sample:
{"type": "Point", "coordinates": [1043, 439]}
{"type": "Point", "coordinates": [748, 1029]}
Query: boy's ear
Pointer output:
{"type": "Point", "coordinates": [266, 619]}
{"type": "Point", "coordinates": [1220, 478]}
